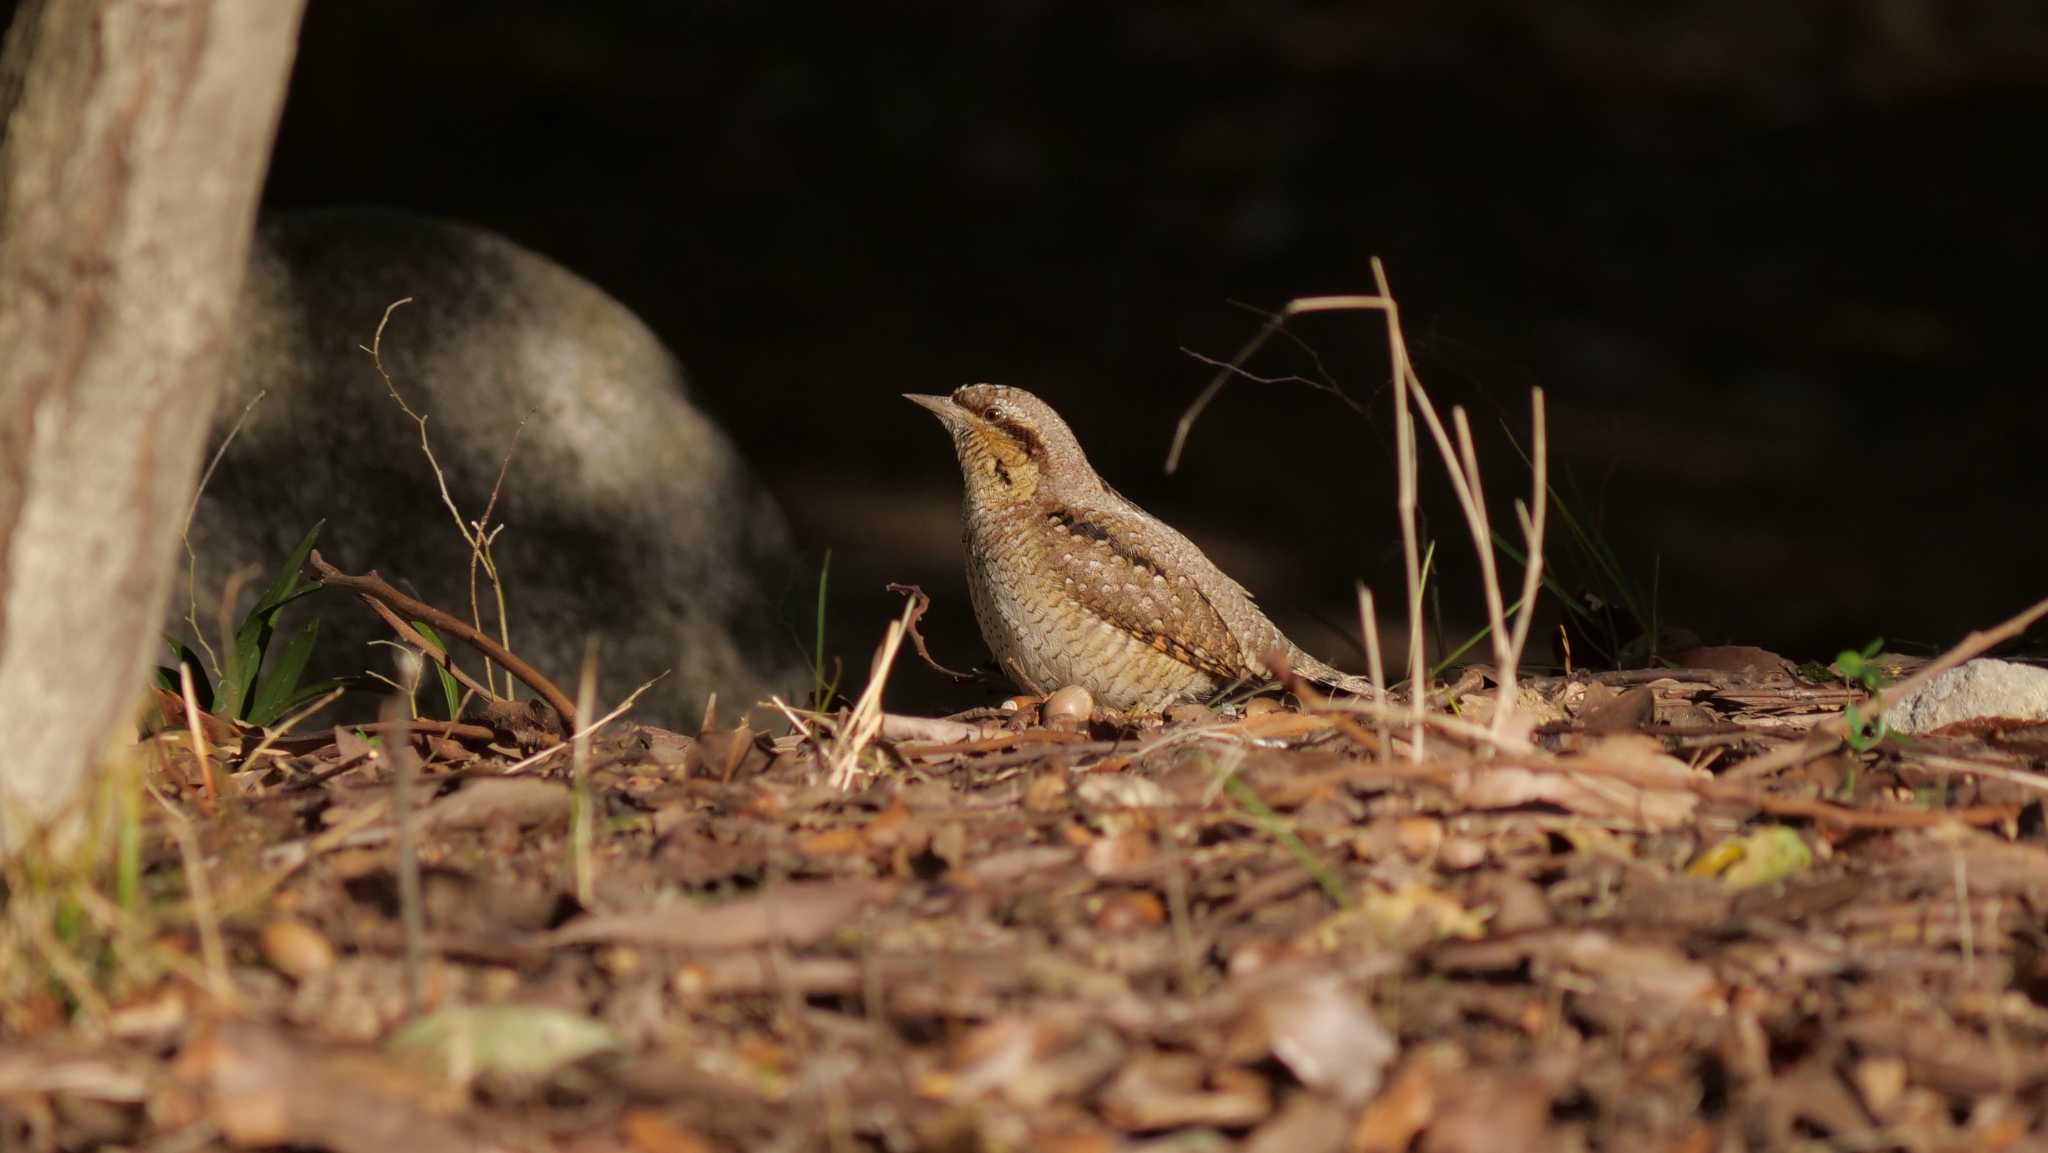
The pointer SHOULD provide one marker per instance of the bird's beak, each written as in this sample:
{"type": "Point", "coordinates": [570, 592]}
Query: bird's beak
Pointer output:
{"type": "Point", "coordinates": [939, 406]}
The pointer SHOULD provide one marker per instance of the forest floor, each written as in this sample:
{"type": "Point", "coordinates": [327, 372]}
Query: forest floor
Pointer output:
{"type": "Point", "coordinates": [1654, 912]}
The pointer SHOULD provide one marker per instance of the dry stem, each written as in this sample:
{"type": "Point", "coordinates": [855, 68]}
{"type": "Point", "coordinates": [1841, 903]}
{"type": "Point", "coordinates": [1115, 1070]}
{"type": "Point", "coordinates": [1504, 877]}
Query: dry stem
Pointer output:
{"type": "Point", "coordinates": [375, 591]}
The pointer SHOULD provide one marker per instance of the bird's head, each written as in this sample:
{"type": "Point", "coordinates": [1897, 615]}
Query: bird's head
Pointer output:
{"type": "Point", "coordinates": [1010, 443]}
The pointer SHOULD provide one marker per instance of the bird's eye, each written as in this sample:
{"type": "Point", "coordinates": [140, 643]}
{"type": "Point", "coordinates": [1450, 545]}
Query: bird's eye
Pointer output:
{"type": "Point", "coordinates": [997, 412]}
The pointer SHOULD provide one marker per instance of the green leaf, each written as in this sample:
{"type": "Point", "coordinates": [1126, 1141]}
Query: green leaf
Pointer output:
{"type": "Point", "coordinates": [1864, 734]}
{"type": "Point", "coordinates": [287, 579]}
{"type": "Point", "coordinates": [518, 1042]}
{"type": "Point", "coordinates": [451, 689]}
{"type": "Point", "coordinates": [167, 678]}
{"type": "Point", "coordinates": [252, 638]}
{"type": "Point", "coordinates": [310, 692]}
{"type": "Point", "coordinates": [1764, 857]}
{"type": "Point", "coordinates": [275, 690]}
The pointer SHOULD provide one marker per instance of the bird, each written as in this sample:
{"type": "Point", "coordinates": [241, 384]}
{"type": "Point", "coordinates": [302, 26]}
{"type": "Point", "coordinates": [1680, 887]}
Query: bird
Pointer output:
{"type": "Point", "coordinates": [1073, 584]}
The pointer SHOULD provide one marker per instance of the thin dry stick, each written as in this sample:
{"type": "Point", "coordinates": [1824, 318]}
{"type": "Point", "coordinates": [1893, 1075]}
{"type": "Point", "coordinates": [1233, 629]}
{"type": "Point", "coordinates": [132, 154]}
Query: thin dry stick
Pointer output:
{"type": "Point", "coordinates": [864, 720]}
{"type": "Point", "coordinates": [1369, 624]}
{"type": "Point", "coordinates": [1406, 470]}
{"type": "Point", "coordinates": [405, 767]}
{"type": "Point", "coordinates": [1453, 726]}
{"type": "Point", "coordinates": [1532, 571]}
{"type": "Point", "coordinates": [1482, 536]}
{"type": "Point", "coordinates": [211, 948]}
{"type": "Point", "coordinates": [230, 591]}
{"type": "Point", "coordinates": [1533, 524]}
{"type": "Point", "coordinates": [1823, 737]}
{"type": "Point", "coordinates": [579, 777]}
{"type": "Point", "coordinates": [185, 537]}
{"type": "Point", "coordinates": [284, 728]}
{"type": "Point", "coordinates": [200, 748]}
{"type": "Point", "coordinates": [479, 540]}
{"type": "Point", "coordinates": [371, 587]}
{"type": "Point", "coordinates": [31, 918]}
{"type": "Point", "coordinates": [480, 555]}
{"type": "Point", "coordinates": [624, 707]}
{"type": "Point", "coordinates": [415, 646]}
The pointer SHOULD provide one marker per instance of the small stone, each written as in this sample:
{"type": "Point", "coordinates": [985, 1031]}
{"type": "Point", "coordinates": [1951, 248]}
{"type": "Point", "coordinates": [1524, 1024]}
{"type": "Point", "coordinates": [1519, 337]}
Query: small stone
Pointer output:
{"type": "Point", "coordinates": [1979, 690]}
{"type": "Point", "coordinates": [1460, 853]}
{"type": "Point", "coordinates": [1418, 837]}
{"type": "Point", "coordinates": [1068, 709]}
{"type": "Point", "coordinates": [296, 949]}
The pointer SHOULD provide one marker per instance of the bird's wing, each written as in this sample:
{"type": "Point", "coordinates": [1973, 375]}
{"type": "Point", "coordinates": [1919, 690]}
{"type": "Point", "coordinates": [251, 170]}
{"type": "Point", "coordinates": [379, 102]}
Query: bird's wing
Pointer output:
{"type": "Point", "coordinates": [1151, 582]}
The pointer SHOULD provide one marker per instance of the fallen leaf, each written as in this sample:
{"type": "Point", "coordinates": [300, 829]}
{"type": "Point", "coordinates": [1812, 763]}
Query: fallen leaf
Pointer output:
{"type": "Point", "coordinates": [1326, 1036]}
{"type": "Point", "coordinates": [517, 1042]}
{"type": "Point", "coordinates": [799, 913]}
{"type": "Point", "coordinates": [261, 1087]}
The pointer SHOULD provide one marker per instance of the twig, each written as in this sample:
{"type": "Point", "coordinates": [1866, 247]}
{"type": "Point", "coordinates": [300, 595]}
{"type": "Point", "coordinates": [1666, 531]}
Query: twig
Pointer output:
{"type": "Point", "coordinates": [1532, 568]}
{"type": "Point", "coordinates": [579, 778]}
{"type": "Point", "coordinates": [416, 646]}
{"type": "Point", "coordinates": [479, 540]}
{"type": "Point", "coordinates": [200, 750]}
{"type": "Point", "coordinates": [1369, 624]}
{"type": "Point", "coordinates": [864, 720]}
{"type": "Point", "coordinates": [204, 916]}
{"type": "Point", "coordinates": [185, 537]}
{"type": "Point", "coordinates": [623, 708]}
{"type": "Point", "coordinates": [274, 735]}
{"type": "Point", "coordinates": [480, 556]}
{"type": "Point", "coordinates": [920, 602]}
{"type": "Point", "coordinates": [405, 767]}
{"type": "Point", "coordinates": [373, 588]}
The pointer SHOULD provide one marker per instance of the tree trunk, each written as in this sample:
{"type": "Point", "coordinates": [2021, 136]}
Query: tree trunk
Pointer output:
{"type": "Point", "coordinates": [136, 137]}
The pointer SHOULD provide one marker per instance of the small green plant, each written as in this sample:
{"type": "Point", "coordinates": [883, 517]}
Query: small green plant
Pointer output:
{"type": "Point", "coordinates": [1860, 668]}
{"type": "Point", "coordinates": [451, 689]}
{"type": "Point", "coordinates": [248, 691]}
{"type": "Point", "coordinates": [822, 689]}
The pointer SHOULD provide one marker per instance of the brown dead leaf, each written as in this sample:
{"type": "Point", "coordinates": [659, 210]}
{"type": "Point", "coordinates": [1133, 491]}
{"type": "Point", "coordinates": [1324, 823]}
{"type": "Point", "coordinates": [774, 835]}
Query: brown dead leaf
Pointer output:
{"type": "Point", "coordinates": [261, 1087]}
{"type": "Point", "coordinates": [1325, 1035]}
{"type": "Point", "coordinates": [1128, 854]}
{"type": "Point", "coordinates": [1628, 778]}
{"type": "Point", "coordinates": [1165, 1090]}
{"type": "Point", "coordinates": [1306, 1124]}
{"type": "Point", "coordinates": [1626, 713]}
{"type": "Point", "coordinates": [1390, 1123]}
{"type": "Point", "coordinates": [651, 1132]}
{"type": "Point", "coordinates": [800, 913]}
{"type": "Point", "coordinates": [839, 842]}
{"type": "Point", "coordinates": [521, 801]}
{"type": "Point", "coordinates": [1744, 661]}
{"type": "Point", "coordinates": [1487, 1111]}
{"type": "Point", "coordinates": [1654, 973]}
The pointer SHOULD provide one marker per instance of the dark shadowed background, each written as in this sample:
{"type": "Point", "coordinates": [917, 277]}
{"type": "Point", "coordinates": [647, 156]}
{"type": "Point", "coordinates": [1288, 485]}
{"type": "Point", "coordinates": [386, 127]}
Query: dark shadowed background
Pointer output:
{"type": "Point", "coordinates": [1777, 265]}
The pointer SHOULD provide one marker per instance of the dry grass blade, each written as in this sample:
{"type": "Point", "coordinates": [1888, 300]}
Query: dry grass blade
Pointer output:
{"type": "Point", "coordinates": [201, 752]}
{"type": "Point", "coordinates": [863, 721]}
{"type": "Point", "coordinates": [620, 710]}
{"type": "Point", "coordinates": [1369, 626]}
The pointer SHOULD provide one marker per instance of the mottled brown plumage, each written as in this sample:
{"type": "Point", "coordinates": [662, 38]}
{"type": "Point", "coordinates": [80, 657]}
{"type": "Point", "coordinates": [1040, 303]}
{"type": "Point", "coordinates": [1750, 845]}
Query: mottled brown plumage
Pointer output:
{"type": "Point", "coordinates": [1073, 584]}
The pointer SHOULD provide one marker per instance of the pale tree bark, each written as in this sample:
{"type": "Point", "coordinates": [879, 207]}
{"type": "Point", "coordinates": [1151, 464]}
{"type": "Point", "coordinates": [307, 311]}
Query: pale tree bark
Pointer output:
{"type": "Point", "coordinates": [136, 137]}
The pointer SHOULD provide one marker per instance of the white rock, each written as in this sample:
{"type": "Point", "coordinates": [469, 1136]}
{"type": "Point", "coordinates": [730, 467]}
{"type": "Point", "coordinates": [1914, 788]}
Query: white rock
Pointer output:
{"type": "Point", "coordinates": [1975, 690]}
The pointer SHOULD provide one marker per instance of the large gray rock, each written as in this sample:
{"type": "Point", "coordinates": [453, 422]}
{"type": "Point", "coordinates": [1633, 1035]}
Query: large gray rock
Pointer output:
{"type": "Point", "coordinates": [628, 514]}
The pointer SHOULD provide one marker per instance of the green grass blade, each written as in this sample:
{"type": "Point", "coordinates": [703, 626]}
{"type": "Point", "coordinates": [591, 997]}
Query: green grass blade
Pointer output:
{"type": "Point", "coordinates": [167, 678]}
{"type": "Point", "coordinates": [821, 694]}
{"type": "Point", "coordinates": [275, 690]}
{"type": "Point", "coordinates": [287, 580]}
{"type": "Point", "coordinates": [451, 689]}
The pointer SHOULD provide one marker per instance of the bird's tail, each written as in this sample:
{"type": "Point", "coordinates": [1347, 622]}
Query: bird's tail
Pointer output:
{"type": "Point", "coordinates": [1328, 676]}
